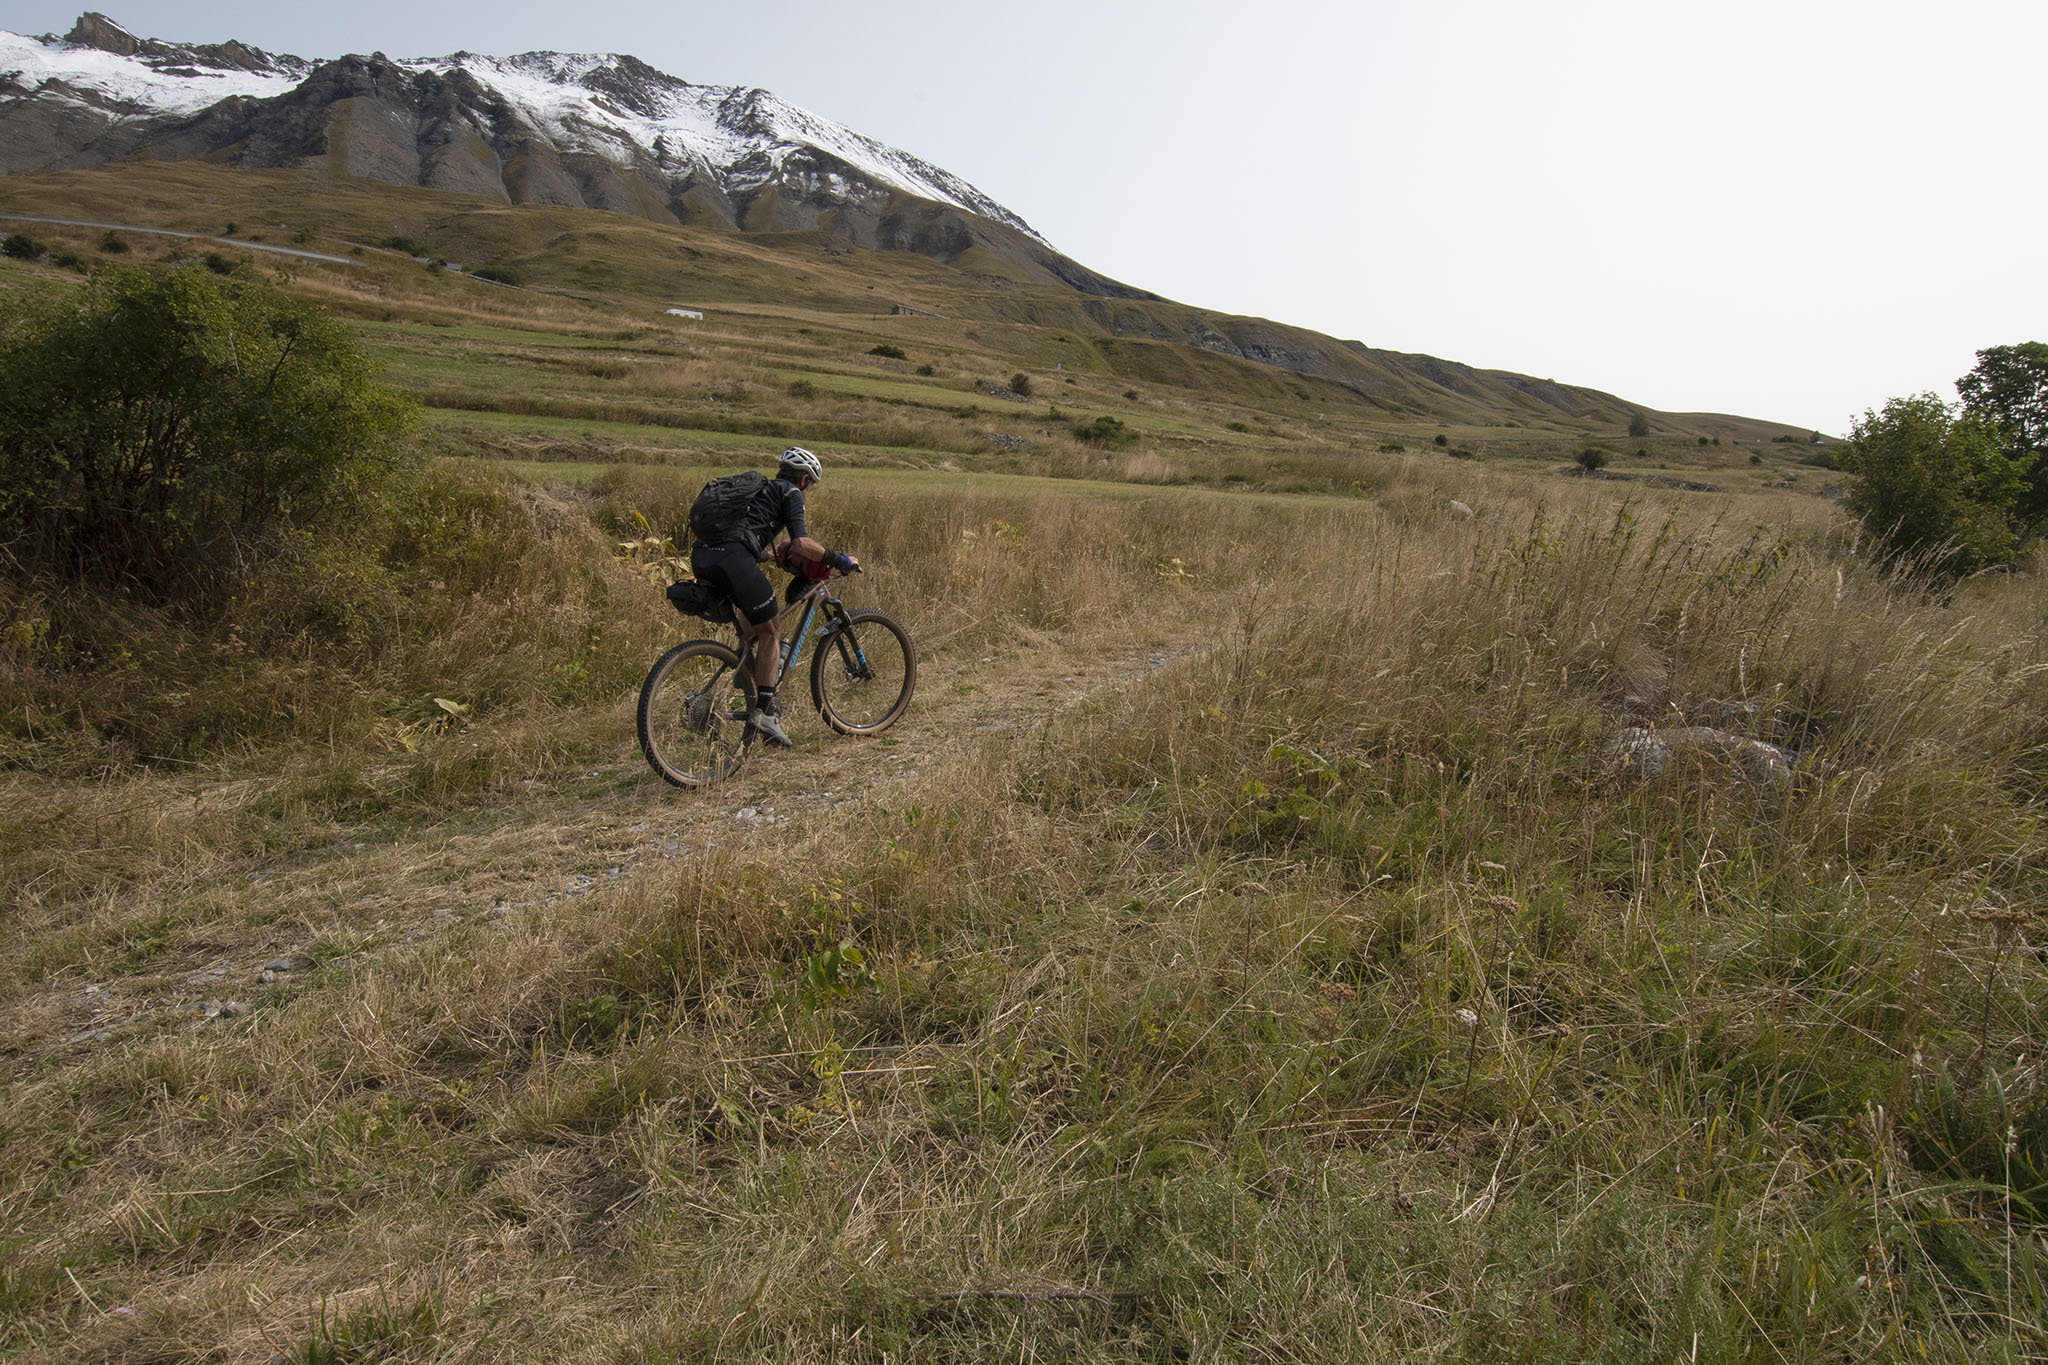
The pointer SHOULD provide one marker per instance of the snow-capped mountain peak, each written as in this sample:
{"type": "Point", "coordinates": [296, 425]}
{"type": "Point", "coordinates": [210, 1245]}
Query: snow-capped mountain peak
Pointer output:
{"type": "Point", "coordinates": [101, 65]}
{"type": "Point", "coordinates": [735, 142]}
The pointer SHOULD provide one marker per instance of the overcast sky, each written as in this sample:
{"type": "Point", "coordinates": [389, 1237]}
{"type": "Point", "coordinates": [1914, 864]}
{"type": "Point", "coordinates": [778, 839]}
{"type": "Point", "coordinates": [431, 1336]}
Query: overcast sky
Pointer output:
{"type": "Point", "coordinates": [1790, 210]}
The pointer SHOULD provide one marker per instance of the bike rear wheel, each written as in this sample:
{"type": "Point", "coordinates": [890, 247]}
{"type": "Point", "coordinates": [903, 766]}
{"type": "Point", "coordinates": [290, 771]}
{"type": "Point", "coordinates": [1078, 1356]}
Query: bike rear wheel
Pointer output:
{"type": "Point", "coordinates": [864, 673]}
{"type": "Point", "coordinates": [687, 730]}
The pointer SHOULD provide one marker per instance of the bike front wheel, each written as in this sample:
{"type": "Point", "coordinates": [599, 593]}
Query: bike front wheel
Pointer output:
{"type": "Point", "coordinates": [687, 729]}
{"type": "Point", "coordinates": [863, 673]}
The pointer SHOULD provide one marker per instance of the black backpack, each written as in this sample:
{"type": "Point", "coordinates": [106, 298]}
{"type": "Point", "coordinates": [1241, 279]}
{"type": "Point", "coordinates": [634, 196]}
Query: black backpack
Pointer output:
{"type": "Point", "coordinates": [721, 508]}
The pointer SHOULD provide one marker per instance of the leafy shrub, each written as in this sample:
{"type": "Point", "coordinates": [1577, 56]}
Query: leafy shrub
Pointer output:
{"type": "Point", "coordinates": [164, 427]}
{"type": "Point", "coordinates": [1638, 425]}
{"type": "Point", "coordinates": [927, 371]}
{"type": "Point", "coordinates": [1703, 440]}
{"type": "Point", "coordinates": [411, 246]}
{"type": "Point", "coordinates": [1442, 439]}
{"type": "Point", "coordinates": [230, 230]}
{"type": "Point", "coordinates": [887, 352]}
{"type": "Point", "coordinates": [220, 264]}
{"type": "Point", "coordinates": [1756, 459]}
{"type": "Point", "coordinates": [500, 274]}
{"type": "Point", "coordinates": [1020, 384]}
{"type": "Point", "coordinates": [113, 245]}
{"type": "Point", "coordinates": [1933, 487]}
{"type": "Point", "coordinates": [23, 247]}
{"type": "Point", "coordinates": [1131, 394]}
{"type": "Point", "coordinates": [1592, 458]}
{"type": "Point", "coordinates": [1236, 426]}
{"type": "Point", "coordinates": [803, 388]}
{"type": "Point", "coordinates": [1104, 431]}
{"type": "Point", "coordinates": [70, 260]}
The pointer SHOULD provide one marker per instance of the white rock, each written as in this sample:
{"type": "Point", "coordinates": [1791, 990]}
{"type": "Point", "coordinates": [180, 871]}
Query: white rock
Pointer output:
{"type": "Point", "coordinates": [1643, 751]}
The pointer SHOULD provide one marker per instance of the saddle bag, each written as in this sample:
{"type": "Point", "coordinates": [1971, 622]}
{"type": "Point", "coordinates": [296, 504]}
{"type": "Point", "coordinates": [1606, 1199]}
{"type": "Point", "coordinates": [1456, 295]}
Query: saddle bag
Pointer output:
{"type": "Point", "coordinates": [701, 600]}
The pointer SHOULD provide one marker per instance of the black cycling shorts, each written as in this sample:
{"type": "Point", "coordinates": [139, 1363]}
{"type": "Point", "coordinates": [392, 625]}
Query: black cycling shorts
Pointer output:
{"type": "Point", "coordinates": [731, 570]}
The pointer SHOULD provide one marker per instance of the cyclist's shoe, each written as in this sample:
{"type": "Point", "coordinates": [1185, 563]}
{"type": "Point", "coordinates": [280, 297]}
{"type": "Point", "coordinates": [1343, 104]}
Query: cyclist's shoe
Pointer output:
{"type": "Point", "coordinates": [765, 724]}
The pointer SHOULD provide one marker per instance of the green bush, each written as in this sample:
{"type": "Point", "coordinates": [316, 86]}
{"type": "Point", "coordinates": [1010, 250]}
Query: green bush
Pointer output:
{"type": "Point", "coordinates": [1442, 439]}
{"type": "Point", "coordinates": [927, 371]}
{"type": "Point", "coordinates": [113, 245]}
{"type": "Point", "coordinates": [500, 274]}
{"type": "Point", "coordinates": [1020, 384]}
{"type": "Point", "coordinates": [1104, 431]}
{"type": "Point", "coordinates": [163, 428]}
{"type": "Point", "coordinates": [1592, 458]}
{"type": "Point", "coordinates": [1933, 488]}
{"type": "Point", "coordinates": [803, 388]}
{"type": "Point", "coordinates": [411, 246]}
{"type": "Point", "coordinates": [888, 352]}
{"type": "Point", "coordinates": [1638, 426]}
{"type": "Point", "coordinates": [23, 247]}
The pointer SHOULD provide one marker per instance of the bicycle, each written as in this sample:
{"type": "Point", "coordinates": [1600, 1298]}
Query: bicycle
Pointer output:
{"type": "Point", "coordinates": [862, 676]}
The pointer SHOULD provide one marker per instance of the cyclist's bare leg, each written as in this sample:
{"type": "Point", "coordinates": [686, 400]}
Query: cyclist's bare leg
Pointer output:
{"type": "Point", "coordinates": [767, 652]}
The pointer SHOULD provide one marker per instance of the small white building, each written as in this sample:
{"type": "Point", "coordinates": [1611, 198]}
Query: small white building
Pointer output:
{"type": "Point", "coordinates": [686, 313]}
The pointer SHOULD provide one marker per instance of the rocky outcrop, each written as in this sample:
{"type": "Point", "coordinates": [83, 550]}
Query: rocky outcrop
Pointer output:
{"type": "Point", "coordinates": [1644, 752]}
{"type": "Point", "coordinates": [98, 31]}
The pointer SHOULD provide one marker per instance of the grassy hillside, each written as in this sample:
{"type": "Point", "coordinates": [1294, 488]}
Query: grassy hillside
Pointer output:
{"type": "Point", "coordinates": [1271, 942]}
{"type": "Point", "coordinates": [585, 266]}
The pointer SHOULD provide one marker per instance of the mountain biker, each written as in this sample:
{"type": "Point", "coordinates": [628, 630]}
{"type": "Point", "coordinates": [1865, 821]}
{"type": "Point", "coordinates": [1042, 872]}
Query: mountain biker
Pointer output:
{"type": "Point", "coordinates": [733, 566]}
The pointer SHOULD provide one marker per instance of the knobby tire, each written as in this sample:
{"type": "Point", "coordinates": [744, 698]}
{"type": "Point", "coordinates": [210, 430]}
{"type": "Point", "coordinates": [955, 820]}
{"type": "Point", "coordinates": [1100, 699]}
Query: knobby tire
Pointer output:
{"type": "Point", "coordinates": [687, 730]}
{"type": "Point", "coordinates": [857, 699]}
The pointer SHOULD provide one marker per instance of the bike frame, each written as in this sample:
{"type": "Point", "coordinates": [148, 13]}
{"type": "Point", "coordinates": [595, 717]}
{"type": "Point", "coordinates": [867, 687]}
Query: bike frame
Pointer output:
{"type": "Point", "coordinates": [816, 601]}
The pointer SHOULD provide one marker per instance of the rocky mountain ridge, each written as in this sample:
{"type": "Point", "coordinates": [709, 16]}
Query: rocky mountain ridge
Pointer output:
{"type": "Point", "coordinates": [603, 131]}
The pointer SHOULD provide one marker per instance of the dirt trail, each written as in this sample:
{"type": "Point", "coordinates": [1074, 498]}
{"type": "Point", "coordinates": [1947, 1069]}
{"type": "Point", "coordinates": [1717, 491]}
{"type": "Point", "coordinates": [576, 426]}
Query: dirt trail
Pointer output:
{"type": "Point", "coordinates": [619, 823]}
{"type": "Point", "coordinates": [243, 243]}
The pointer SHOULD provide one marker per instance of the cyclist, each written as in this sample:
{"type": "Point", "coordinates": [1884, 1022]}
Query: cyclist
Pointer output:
{"type": "Point", "coordinates": [733, 566]}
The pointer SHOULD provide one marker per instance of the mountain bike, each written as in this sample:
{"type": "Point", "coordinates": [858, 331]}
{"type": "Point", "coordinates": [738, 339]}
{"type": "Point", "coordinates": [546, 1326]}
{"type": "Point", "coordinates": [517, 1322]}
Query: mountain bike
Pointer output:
{"type": "Point", "coordinates": [863, 672]}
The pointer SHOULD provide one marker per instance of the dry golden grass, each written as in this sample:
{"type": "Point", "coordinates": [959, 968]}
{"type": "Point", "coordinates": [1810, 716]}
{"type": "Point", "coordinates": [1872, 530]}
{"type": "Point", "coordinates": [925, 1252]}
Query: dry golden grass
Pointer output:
{"type": "Point", "coordinates": [1160, 1043]}
{"type": "Point", "coordinates": [1263, 954]}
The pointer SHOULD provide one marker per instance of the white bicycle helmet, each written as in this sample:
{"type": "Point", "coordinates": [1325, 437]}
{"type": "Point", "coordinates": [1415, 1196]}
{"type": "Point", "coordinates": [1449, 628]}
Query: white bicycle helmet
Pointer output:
{"type": "Point", "coordinates": [798, 461]}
